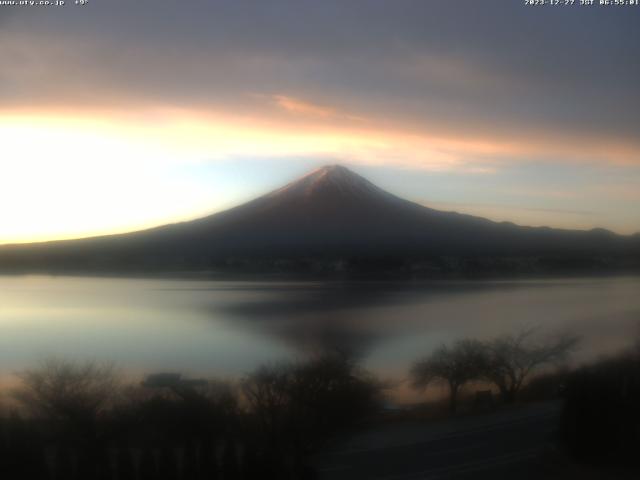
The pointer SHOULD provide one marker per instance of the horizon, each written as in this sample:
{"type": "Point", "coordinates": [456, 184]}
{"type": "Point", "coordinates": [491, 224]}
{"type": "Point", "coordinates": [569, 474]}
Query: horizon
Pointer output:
{"type": "Point", "coordinates": [459, 116]}
{"type": "Point", "coordinates": [326, 167]}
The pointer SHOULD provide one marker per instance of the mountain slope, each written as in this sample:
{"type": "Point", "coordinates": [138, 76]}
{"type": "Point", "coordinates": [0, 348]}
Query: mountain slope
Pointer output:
{"type": "Point", "coordinates": [330, 214]}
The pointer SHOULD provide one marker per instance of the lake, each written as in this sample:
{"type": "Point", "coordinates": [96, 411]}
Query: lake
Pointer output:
{"type": "Point", "coordinates": [227, 328]}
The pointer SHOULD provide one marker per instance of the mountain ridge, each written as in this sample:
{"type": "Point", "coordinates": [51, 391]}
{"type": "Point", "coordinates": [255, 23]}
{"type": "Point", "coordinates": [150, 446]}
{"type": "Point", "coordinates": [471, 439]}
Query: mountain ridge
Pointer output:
{"type": "Point", "coordinates": [328, 217]}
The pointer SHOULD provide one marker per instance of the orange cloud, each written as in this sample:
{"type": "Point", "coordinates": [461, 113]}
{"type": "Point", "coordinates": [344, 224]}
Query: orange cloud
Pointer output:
{"type": "Point", "coordinates": [293, 105]}
{"type": "Point", "coordinates": [185, 135]}
{"type": "Point", "coordinates": [305, 108]}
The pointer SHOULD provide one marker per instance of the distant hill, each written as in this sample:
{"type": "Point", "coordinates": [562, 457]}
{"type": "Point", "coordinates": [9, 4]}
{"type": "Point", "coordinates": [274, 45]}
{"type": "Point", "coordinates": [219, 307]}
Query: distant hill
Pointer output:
{"type": "Point", "coordinates": [333, 220]}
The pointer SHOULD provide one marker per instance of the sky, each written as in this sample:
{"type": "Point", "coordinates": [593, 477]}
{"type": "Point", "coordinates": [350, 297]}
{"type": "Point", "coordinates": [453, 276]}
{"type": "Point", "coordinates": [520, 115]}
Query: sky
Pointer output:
{"type": "Point", "coordinates": [119, 115]}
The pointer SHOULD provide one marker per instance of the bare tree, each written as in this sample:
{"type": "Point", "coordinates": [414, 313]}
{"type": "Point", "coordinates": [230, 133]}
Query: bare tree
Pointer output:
{"type": "Point", "coordinates": [463, 362]}
{"type": "Point", "coordinates": [64, 390]}
{"type": "Point", "coordinates": [267, 392]}
{"type": "Point", "coordinates": [512, 358]}
{"type": "Point", "coordinates": [306, 403]}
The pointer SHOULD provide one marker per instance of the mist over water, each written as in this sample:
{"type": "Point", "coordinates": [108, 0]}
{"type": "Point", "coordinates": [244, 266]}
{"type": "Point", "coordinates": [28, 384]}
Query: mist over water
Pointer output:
{"type": "Point", "coordinates": [226, 329]}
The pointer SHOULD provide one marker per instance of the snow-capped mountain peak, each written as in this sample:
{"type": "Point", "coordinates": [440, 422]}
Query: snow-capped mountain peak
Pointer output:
{"type": "Point", "coordinates": [332, 180]}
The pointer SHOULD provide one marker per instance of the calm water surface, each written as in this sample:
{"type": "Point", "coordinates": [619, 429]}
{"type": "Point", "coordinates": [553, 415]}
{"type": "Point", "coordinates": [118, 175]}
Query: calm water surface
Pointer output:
{"type": "Point", "coordinates": [221, 328]}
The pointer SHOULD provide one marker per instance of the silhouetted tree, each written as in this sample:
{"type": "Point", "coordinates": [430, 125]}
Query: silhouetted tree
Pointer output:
{"type": "Point", "coordinates": [510, 359]}
{"type": "Point", "coordinates": [69, 398]}
{"type": "Point", "coordinates": [64, 390]}
{"type": "Point", "coordinates": [193, 418]}
{"type": "Point", "coordinates": [299, 406]}
{"type": "Point", "coordinates": [173, 427]}
{"type": "Point", "coordinates": [456, 365]}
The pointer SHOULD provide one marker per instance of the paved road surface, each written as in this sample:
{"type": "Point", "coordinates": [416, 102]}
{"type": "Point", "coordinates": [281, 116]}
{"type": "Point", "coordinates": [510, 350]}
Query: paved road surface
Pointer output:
{"type": "Point", "coordinates": [492, 446]}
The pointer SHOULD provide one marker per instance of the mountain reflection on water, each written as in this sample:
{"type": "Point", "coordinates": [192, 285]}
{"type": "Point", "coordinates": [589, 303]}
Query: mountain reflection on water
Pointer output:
{"type": "Point", "coordinates": [223, 328]}
{"type": "Point", "coordinates": [371, 318]}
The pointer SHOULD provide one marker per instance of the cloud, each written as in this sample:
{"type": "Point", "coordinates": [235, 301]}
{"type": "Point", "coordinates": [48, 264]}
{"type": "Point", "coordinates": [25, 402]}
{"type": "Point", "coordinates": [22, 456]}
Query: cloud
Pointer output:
{"type": "Point", "coordinates": [295, 106]}
{"type": "Point", "coordinates": [468, 68]}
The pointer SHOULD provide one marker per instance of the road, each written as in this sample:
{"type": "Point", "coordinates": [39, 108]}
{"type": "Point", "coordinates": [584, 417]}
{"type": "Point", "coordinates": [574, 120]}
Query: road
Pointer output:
{"type": "Point", "coordinates": [506, 444]}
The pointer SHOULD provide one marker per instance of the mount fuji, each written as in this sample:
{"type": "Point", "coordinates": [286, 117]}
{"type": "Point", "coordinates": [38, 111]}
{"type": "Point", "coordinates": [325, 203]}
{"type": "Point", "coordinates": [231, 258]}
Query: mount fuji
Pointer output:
{"type": "Point", "coordinates": [332, 219]}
